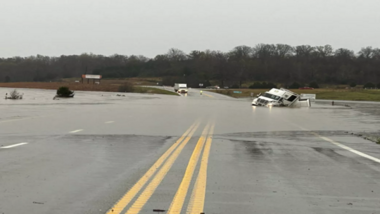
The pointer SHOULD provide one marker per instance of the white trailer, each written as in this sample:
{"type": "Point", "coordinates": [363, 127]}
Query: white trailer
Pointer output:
{"type": "Point", "coordinates": [180, 87]}
{"type": "Point", "coordinates": [281, 98]}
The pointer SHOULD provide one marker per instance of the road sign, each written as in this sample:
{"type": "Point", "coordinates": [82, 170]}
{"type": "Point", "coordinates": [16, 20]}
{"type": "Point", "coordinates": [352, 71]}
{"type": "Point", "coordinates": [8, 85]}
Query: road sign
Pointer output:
{"type": "Point", "coordinates": [91, 76]}
{"type": "Point", "coordinates": [309, 96]}
{"type": "Point", "coordinates": [237, 92]}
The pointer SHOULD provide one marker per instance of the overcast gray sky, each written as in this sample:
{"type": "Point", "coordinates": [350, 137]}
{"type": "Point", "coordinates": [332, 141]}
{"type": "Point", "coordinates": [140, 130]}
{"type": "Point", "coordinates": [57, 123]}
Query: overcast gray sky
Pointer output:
{"type": "Point", "coordinates": [151, 27]}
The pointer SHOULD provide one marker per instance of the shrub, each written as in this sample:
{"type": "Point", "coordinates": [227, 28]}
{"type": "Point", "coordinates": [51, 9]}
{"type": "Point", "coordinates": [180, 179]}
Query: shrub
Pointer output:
{"type": "Point", "coordinates": [295, 85]}
{"type": "Point", "coordinates": [256, 85]}
{"type": "Point", "coordinates": [352, 85]}
{"type": "Point", "coordinates": [314, 85]}
{"type": "Point", "coordinates": [235, 86]}
{"type": "Point", "coordinates": [262, 85]}
{"type": "Point", "coordinates": [64, 91]}
{"type": "Point", "coordinates": [369, 85]}
{"type": "Point", "coordinates": [7, 79]}
{"type": "Point", "coordinates": [126, 87]}
{"type": "Point", "coordinates": [14, 95]}
{"type": "Point", "coordinates": [269, 85]}
{"type": "Point", "coordinates": [139, 90]}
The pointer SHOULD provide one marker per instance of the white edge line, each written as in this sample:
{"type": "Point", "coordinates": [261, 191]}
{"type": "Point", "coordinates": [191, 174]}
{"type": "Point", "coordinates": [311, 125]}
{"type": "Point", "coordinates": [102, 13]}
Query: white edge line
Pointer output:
{"type": "Point", "coordinates": [348, 148]}
{"type": "Point", "coordinates": [342, 146]}
{"type": "Point", "coordinates": [75, 131]}
{"type": "Point", "coordinates": [14, 145]}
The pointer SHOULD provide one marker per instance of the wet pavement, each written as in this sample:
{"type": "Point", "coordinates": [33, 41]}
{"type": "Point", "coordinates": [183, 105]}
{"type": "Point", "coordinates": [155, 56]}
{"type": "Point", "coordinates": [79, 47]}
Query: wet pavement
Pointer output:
{"type": "Point", "coordinates": [83, 155]}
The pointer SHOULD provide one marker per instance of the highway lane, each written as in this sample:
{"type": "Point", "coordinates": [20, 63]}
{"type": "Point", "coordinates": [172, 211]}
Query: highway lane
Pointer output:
{"type": "Point", "coordinates": [196, 93]}
{"type": "Point", "coordinates": [84, 155]}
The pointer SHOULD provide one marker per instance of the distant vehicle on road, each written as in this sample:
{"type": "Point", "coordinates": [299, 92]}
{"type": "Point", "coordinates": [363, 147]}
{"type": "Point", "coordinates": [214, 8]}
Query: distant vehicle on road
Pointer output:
{"type": "Point", "coordinates": [281, 98]}
{"type": "Point", "coordinates": [180, 88]}
{"type": "Point", "coordinates": [213, 87]}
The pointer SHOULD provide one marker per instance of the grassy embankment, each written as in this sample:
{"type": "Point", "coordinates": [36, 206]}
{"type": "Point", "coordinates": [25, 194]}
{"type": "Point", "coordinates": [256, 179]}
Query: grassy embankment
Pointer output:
{"type": "Point", "coordinates": [134, 81]}
{"type": "Point", "coordinates": [150, 90]}
{"type": "Point", "coordinates": [106, 85]}
{"type": "Point", "coordinates": [330, 94]}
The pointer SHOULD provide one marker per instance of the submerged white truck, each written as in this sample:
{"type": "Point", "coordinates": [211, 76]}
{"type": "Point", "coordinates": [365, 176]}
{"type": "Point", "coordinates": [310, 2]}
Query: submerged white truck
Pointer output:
{"type": "Point", "coordinates": [180, 87]}
{"type": "Point", "coordinates": [280, 98]}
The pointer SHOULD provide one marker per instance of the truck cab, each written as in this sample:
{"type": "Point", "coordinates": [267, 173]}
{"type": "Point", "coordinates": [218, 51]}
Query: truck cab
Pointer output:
{"type": "Point", "coordinates": [281, 98]}
{"type": "Point", "coordinates": [180, 87]}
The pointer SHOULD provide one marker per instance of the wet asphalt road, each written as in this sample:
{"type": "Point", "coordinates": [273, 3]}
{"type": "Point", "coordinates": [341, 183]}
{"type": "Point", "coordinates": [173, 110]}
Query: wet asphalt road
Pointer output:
{"type": "Point", "coordinates": [193, 153]}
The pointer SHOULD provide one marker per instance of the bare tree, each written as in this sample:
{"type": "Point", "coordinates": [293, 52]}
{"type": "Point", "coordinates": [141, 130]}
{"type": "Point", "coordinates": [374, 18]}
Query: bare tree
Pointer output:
{"type": "Point", "coordinates": [241, 52]}
{"type": "Point", "coordinates": [283, 50]}
{"type": "Point", "coordinates": [366, 52]}
{"type": "Point", "coordinates": [264, 51]}
{"type": "Point", "coordinates": [324, 51]}
{"type": "Point", "coordinates": [344, 53]}
{"type": "Point", "coordinates": [14, 95]}
{"type": "Point", "coordinates": [176, 54]}
{"type": "Point", "coordinates": [376, 53]}
{"type": "Point", "coordinates": [304, 51]}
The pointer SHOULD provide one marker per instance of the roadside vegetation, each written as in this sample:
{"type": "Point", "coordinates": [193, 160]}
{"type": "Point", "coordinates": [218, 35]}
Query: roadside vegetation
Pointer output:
{"type": "Point", "coordinates": [277, 63]}
{"type": "Point", "coordinates": [129, 87]}
{"type": "Point", "coordinates": [54, 85]}
{"type": "Point", "coordinates": [118, 81]}
{"type": "Point", "coordinates": [14, 95]}
{"type": "Point", "coordinates": [325, 93]}
{"type": "Point", "coordinates": [244, 68]}
{"type": "Point", "coordinates": [106, 85]}
{"type": "Point", "coordinates": [64, 91]}
{"type": "Point", "coordinates": [151, 90]}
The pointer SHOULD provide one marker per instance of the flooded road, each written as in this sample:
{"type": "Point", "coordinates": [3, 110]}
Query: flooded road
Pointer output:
{"type": "Point", "coordinates": [132, 153]}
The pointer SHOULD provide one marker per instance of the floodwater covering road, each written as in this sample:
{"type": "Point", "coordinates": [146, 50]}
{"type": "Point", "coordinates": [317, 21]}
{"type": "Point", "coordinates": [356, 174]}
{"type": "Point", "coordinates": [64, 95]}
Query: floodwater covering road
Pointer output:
{"type": "Point", "coordinates": [103, 153]}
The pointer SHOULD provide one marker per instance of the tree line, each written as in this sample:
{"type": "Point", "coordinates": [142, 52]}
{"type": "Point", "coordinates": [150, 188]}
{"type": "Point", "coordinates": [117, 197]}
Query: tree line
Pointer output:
{"type": "Point", "coordinates": [272, 63]}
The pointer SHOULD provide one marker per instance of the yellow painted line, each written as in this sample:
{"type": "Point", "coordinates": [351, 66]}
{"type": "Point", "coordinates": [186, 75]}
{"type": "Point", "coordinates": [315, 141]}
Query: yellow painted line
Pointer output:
{"type": "Point", "coordinates": [127, 198]}
{"type": "Point", "coordinates": [197, 200]}
{"type": "Point", "coordinates": [208, 95]}
{"type": "Point", "coordinates": [179, 198]}
{"type": "Point", "coordinates": [151, 188]}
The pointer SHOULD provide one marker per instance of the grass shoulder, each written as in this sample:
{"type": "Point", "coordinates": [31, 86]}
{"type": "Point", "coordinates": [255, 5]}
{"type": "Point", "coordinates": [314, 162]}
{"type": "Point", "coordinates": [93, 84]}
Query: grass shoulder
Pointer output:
{"type": "Point", "coordinates": [103, 86]}
{"type": "Point", "coordinates": [152, 90]}
{"type": "Point", "coordinates": [323, 93]}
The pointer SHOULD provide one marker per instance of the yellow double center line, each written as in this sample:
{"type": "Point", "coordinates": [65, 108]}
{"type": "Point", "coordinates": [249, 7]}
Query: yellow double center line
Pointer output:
{"type": "Point", "coordinates": [197, 200]}
{"type": "Point", "coordinates": [149, 190]}
{"type": "Point", "coordinates": [208, 95]}
{"type": "Point", "coordinates": [196, 204]}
